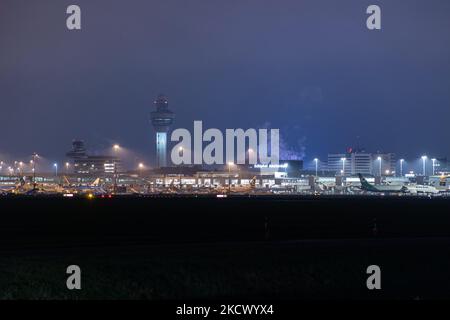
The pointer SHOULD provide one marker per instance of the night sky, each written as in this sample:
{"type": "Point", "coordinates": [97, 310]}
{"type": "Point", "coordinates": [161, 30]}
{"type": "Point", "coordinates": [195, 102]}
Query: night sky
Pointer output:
{"type": "Point", "coordinates": [308, 67]}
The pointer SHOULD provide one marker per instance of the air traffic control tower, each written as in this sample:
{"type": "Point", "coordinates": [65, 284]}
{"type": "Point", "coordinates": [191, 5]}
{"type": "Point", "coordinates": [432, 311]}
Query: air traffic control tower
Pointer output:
{"type": "Point", "coordinates": [161, 119]}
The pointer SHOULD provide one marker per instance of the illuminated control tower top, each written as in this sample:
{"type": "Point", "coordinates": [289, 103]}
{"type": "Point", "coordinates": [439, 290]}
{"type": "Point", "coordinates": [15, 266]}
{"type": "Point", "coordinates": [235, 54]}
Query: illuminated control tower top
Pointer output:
{"type": "Point", "coordinates": [161, 119]}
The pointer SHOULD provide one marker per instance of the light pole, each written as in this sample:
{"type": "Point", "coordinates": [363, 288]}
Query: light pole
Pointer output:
{"type": "Point", "coordinates": [32, 169]}
{"type": "Point", "coordinates": [140, 168]}
{"type": "Point", "coordinates": [229, 175]}
{"type": "Point", "coordinates": [434, 164]}
{"type": "Point", "coordinates": [317, 165]}
{"type": "Point", "coordinates": [286, 165]}
{"type": "Point", "coordinates": [67, 167]}
{"type": "Point", "coordinates": [401, 167]}
{"type": "Point", "coordinates": [379, 160]}
{"type": "Point", "coordinates": [56, 169]}
{"type": "Point", "coordinates": [34, 155]}
{"type": "Point", "coordinates": [116, 149]}
{"type": "Point", "coordinates": [424, 161]}
{"type": "Point", "coordinates": [343, 166]}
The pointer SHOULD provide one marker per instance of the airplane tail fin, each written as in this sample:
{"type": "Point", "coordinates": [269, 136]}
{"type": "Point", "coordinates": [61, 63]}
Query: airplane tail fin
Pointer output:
{"type": "Point", "coordinates": [66, 181]}
{"type": "Point", "coordinates": [363, 181]}
{"type": "Point", "coordinates": [96, 183]}
{"type": "Point", "coordinates": [20, 182]}
{"type": "Point", "coordinates": [253, 182]}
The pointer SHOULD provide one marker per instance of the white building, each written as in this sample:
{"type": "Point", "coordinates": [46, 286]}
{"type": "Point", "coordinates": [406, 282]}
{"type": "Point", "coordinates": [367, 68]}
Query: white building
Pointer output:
{"type": "Point", "coordinates": [385, 161]}
{"type": "Point", "coordinates": [361, 162]}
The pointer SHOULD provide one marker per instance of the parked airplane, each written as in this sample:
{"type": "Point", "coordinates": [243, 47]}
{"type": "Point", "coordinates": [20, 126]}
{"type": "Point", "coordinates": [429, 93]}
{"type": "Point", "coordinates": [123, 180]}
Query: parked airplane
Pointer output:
{"type": "Point", "coordinates": [366, 186]}
{"type": "Point", "coordinates": [421, 189]}
{"type": "Point", "coordinates": [241, 189]}
{"type": "Point", "coordinates": [7, 189]}
{"type": "Point", "coordinates": [92, 188]}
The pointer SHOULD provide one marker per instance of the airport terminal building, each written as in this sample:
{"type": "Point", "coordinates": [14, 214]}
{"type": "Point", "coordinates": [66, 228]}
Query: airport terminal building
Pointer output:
{"type": "Point", "coordinates": [85, 164]}
{"type": "Point", "coordinates": [353, 162]}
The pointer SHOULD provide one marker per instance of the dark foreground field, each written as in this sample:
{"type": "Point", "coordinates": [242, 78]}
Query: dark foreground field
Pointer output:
{"type": "Point", "coordinates": [207, 248]}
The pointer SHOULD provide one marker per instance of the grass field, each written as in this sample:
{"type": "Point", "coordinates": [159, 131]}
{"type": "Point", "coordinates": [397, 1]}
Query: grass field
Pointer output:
{"type": "Point", "coordinates": [165, 249]}
{"type": "Point", "coordinates": [281, 271]}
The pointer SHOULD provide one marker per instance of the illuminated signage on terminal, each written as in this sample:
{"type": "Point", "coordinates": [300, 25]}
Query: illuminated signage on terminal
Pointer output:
{"type": "Point", "coordinates": [272, 166]}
